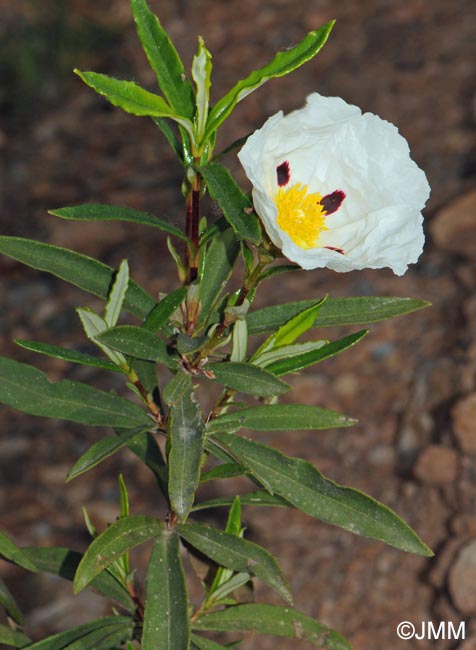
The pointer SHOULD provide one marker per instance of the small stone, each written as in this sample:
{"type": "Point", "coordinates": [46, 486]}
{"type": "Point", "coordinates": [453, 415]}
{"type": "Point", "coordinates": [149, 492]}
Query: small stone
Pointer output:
{"type": "Point", "coordinates": [454, 226]}
{"type": "Point", "coordinates": [464, 422]}
{"type": "Point", "coordinates": [462, 579]}
{"type": "Point", "coordinates": [437, 464]}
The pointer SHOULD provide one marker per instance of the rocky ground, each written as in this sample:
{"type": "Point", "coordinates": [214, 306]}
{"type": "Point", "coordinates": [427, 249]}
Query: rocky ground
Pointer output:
{"type": "Point", "coordinates": [411, 383]}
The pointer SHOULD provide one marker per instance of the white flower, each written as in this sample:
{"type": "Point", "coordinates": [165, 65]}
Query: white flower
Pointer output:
{"type": "Point", "coordinates": [336, 188]}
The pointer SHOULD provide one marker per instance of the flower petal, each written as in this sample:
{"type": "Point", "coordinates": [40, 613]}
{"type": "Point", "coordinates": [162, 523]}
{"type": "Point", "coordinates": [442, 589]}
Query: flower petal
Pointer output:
{"type": "Point", "coordinates": [333, 150]}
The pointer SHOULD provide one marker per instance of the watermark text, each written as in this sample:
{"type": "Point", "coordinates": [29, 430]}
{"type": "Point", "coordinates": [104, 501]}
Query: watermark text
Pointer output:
{"type": "Point", "coordinates": [429, 630]}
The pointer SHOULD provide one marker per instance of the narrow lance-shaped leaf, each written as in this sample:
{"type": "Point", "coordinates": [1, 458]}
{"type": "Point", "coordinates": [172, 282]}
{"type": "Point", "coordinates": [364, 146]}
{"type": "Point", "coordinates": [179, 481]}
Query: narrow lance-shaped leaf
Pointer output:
{"type": "Point", "coordinates": [163, 59]}
{"type": "Point", "coordinates": [291, 330]}
{"type": "Point", "coordinates": [93, 325]}
{"type": "Point", "coordinates": [226, 470]}
{"type": "Point", "coordinates": [117, 295]}
{"type": "Point", "coordinates": [73, 356]}
{"type": "Point", "coordinates": [239, 349]}
{"type": "Point", "coordinates": [201, 73]}
{"type": "Point", "coordinates": [280, 417]}
{"type": "Point", "coordinates": [309, 358]}
{"type": "Point", "coordinates": [121, 536]}
{"type": "Point", "coordinates": [13, 638]}
{"type": "Point", "coordinates": [161, 313]}
{"type": "Point", "coordinates": [28, 389]}
{"type": "Point", "coordinates": [223, 574]}
{"type": "Point", "coordinates": [221, 256]}
{"type": "Point", "coordinates": [271, 619]}
{"type": "Point", "coordinates": [238, 554]}
{"type": "Point", "coordinates": [101, 450]}
{"type": "Point", "coordinates": [186, 433]}
{"type": "Point", "coordinates": [288, 352]}
{"type": "Point", "coordinates": [82, 271]}
{"type": "Point", "coordinates": [133, 99]}
{"type": "Point", "coordinates": [247, 378]}
{"type": "Point", "coordinates": [335, 311]}
{"type": "Point", "coordinates": [8, 603]}
{"type": "Point", "coordinates": [235, 205]}
{"type": "Point", "coordinates": [201, 643]}
{"type": "Point", "coordinates": [102, 212]}
{"type": "Point", "coordinates": [63, 562]}
{"type": "Point", "coordinates": [257, 498]}
{"type": "Point", "coordinates": [302, 485]}
{"type": "Point", "coordinates": [282, 64]}
{"type": "Point", "coordinates": [166, 620]}
{"type": "Point", "coordinates": [13, 553]}
{"type": "Point", "coordinates": [139, 343]}
{"type": "Point", "coordinates": [145, 447]}
{"type": "Point", "coordinates": [102, 634]}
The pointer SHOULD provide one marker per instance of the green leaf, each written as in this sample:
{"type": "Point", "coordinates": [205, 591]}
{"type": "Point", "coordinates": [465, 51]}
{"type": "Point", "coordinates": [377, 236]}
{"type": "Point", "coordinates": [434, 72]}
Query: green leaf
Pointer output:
{"type": "Point", "coordinates": [166, 621]}
{"type": "Point", "coordinates": [161, 313]}
{"type": "Point", "coordinates": [247, 378]}
{"type": "Point", "coordinates": [125, 508]}
{"type": "Point", "coordinates": [277, 270]}
{"type": "Point", "coordinates": [239, 348]}
{"type": "Point", "coordinates": [235, 205]}
{"type": "Point", "coordinates": [220, 259]}
{"type": "Point", "coordinates": [102, 634]}
{"type": "Point", "coordinates": [132, 98]}
{"type": "Point", "coordinates": [226, 470]}
{"type": "Point", "coordinates": [176, 388]}
{"type": "Point", "coordinates": [13, 553]}
{"type": "Point", "coordinates": [201, 73]}
{"type": "Point", "coordinates": [335, 311]}
{"type": "Point", "coordinates": [63, 562]}
{"type": "Point", "coordinates": [283, 63]}
{"type": "Point", "coordinates": [170, 136]}
{"type": "Point", "coordinates": [139, 343]}
{"type": "Point", "coordinates": [121, 536]}
{"type": "Point", "coordinates": [201, 643]}
{"type": "Point", "coordinates": [270, 318]}
{"type": "Point", "coordinates": [13, 638]}
{"type": "Point", "coordinates": [147, 373]}
{"type": "Point", "coordinates": [101, 450]}
{"type": "Point", "coordinates": [73, 356]}
{"type": "Point", "coordinates": [366, 309]}
{"type": "Point", "coordinates": [287, 352]}
{"type": "Point", "coordinates": [258, 498]}
{"type": "Point", "coordinates": [163, 59]}
{"type": "Point", "coordinates": [299, 361]}
{"type": "Point", "coordinates": [271, 619]}
{"type": "Point", "coordinates": [28, 389]}
{"type": "Point", "coordinates": [8, 603]}
{"type": "Point", "coordinates": [93, 325]}
{"type": "Point", "coordinates": [291, 330]}
{"type": "Point", "coordinates": [237, 554]}
{"type": "Point", "coordinates": [302, 485]}
{"type": "Point", "coordinates": [145, 447]}
{"type": "Point", "coordinates": [280, 417]}
{"type": "Point", "coordinates": [82, 271]}
{"type": "Point", "coordinates": [217, 590]}
{"type": "Point", "coordinates": [117, 295]}
{"type": "Point", "coordinates": [186, 434]}
{"type": "Point", "coordinates": [102, 212]}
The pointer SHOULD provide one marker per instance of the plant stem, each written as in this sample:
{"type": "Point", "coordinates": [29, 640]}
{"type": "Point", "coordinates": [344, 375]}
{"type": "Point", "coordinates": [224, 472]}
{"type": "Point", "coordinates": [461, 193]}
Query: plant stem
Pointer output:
{"type": "Point", "coordinates": [192, 229]}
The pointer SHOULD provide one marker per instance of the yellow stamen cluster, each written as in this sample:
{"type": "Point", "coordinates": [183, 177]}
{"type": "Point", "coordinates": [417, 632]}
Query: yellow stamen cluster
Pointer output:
{"type": "Point", "coordinates": [300, 214]}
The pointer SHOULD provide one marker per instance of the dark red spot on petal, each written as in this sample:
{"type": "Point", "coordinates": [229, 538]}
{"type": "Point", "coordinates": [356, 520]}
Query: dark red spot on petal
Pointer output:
{"type": "Point", "coordinates": [332, 202]}
{"type": "Point", "coordinates": [337, 250]}
{"type": "Point", "coordinates": [283, 174]}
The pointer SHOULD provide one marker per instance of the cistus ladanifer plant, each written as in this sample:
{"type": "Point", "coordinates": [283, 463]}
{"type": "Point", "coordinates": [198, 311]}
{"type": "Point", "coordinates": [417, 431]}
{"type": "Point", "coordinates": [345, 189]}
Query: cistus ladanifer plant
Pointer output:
{"type": "Point", "coordinates": [331, 188]}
